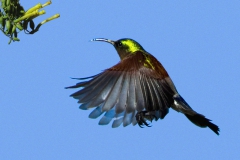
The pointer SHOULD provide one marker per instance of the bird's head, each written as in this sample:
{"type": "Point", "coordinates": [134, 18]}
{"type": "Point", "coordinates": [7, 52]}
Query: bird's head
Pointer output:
{"type": "Point", "coordinates": [124, 46]}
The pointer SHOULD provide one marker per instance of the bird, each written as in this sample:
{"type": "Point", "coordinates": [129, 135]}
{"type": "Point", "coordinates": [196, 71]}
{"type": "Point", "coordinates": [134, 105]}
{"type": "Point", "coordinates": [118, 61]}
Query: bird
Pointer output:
{"type": "Point", "coordinates": [136, 90]}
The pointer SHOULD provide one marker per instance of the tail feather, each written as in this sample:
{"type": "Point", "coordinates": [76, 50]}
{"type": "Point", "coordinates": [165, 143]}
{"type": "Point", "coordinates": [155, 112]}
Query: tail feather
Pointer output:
{"type": "Point", "coordinates": [181, 105]}
{"type": "Point", "coordinates": [203, 122]}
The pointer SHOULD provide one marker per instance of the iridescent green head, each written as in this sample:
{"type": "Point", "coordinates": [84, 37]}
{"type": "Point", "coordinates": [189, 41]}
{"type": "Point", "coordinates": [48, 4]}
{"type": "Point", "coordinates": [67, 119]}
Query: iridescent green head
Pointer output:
{"type": "Point", "coordinates": [124, 46]}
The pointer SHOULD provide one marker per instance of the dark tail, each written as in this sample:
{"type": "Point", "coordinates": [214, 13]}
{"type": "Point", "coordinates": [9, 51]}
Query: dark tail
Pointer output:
{"type": "Point", "coordinates": [181, 105]}
{"type": "Point", "coordinates": [201, 121]}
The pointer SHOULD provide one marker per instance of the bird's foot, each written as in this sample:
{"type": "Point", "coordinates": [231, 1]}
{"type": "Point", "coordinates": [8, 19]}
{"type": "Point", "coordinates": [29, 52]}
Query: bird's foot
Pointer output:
{"type": "Point", "coordinates": [143, 115]}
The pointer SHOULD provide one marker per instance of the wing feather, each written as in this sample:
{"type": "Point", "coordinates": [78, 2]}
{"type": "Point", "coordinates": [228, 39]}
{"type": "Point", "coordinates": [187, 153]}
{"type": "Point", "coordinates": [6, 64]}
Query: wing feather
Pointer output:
{"type": "Point", "coordinates": [121, 104]}
{"type": "Point", "coordinates": [139, 93]}
{"type": "Point", "coordinates": [127, 119]}
{"type": "Point", "coordinates": [113, 95]}
{"type": "Point", "coordinates": [123, 90]}
{"type": "Point", "coordinates": [108, 116]}
{"type": "Point", "coordinates": [96, 112]}
{"type": "Point", "coordinates": [131, 96]}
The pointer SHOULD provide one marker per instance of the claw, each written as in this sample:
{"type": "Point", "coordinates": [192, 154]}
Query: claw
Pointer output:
{"type": "Point", "coordinates": [146, 124]}
{"type": "Point", "coordinates": [140, 125]}
{"type": "Point", "coordinates": [140, 117]}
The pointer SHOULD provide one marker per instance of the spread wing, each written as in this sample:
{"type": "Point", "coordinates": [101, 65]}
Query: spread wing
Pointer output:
{"type": "Point", "coordinates": [137, 83]}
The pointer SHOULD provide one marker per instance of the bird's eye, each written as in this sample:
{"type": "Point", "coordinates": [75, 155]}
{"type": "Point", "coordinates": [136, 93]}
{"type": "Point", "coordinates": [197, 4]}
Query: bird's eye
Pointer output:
{"type": "Point", "coordinates": [119, 44]}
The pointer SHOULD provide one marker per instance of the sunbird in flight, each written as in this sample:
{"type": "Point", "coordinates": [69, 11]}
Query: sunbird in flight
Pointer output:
{"type": "Point", "coordinates": [136, 90]}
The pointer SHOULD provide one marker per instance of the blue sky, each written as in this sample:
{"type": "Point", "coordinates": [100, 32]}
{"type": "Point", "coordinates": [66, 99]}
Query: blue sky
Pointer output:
{"type": "Point", "coordinates": [196, 41]}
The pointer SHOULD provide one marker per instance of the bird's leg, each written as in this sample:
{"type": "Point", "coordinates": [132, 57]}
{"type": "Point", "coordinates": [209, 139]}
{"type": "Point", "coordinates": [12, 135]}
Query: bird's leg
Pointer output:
{"type": "Point", "coordinates": [140, 117]}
